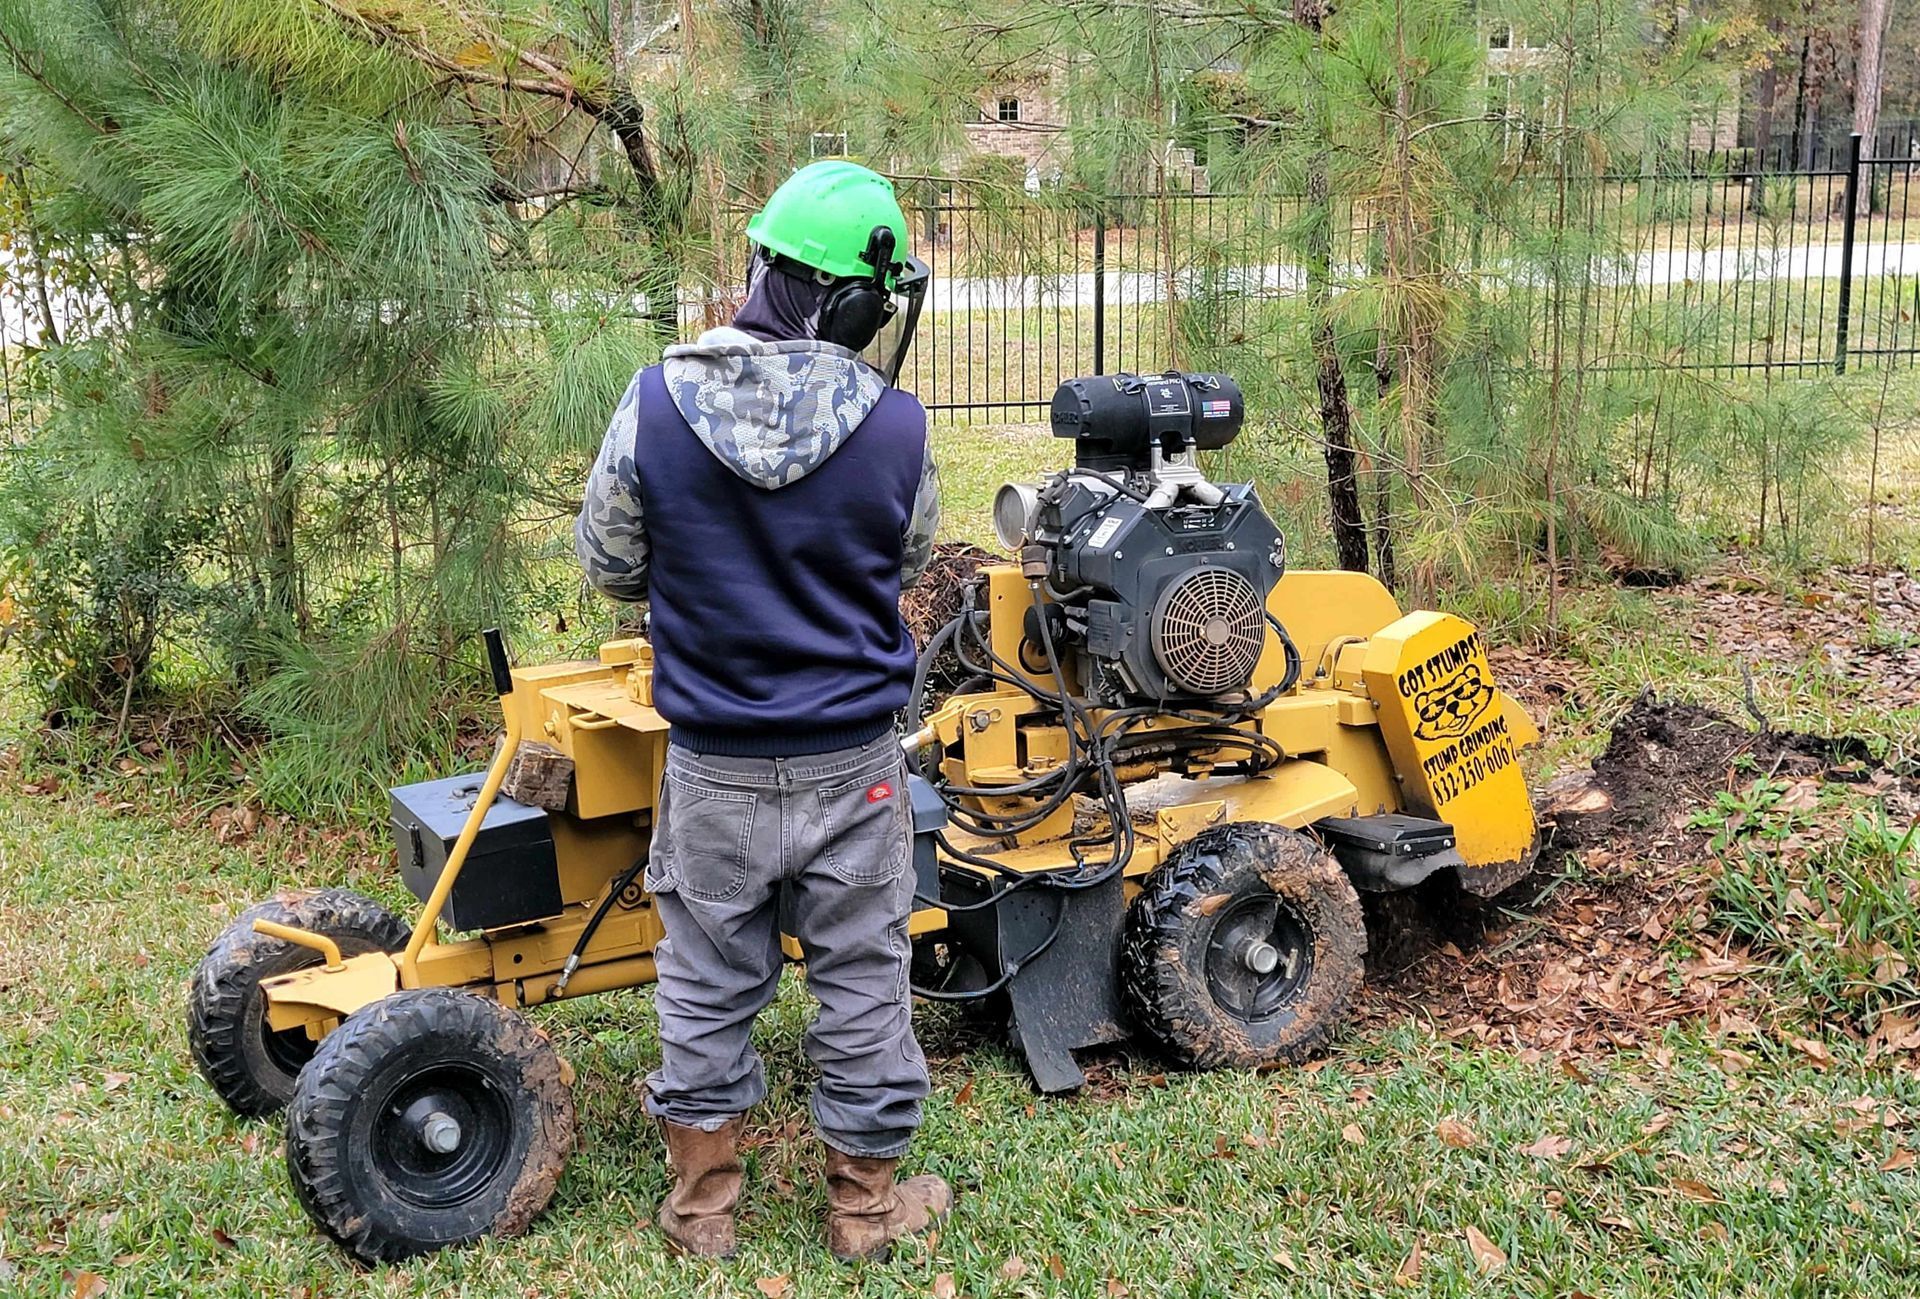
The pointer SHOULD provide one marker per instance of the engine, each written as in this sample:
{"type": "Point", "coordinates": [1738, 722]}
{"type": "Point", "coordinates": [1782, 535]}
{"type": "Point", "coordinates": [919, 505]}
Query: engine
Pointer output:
{"type": "Point", "coordinates": [1158, 579]}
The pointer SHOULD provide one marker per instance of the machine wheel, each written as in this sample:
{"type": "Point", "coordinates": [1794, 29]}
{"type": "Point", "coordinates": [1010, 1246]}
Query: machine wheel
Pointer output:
{"type": "Point", "coordinates": [431, 1118]}
{"type": "Point", "coordinates": [1245, 949]}
{"type": "Point", "coordinates": [250, 1065]}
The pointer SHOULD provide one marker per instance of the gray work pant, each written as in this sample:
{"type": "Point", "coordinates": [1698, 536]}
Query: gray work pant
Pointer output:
{"type": "Point", "coordinates": [836, 829]}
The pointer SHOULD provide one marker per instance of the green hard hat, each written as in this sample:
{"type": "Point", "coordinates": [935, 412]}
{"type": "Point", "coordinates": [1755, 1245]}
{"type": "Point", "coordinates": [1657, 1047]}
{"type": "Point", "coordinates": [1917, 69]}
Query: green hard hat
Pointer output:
{"type": "Point", "coordinates": [823, 215]}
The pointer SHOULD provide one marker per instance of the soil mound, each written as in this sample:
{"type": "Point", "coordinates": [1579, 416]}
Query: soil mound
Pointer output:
{"type": "Point", "coordinates": [1573, 958]}
{"type": "Point", "coordinates": [934, 601]}
{"type": "Point", "coordinates": [1668, 758]}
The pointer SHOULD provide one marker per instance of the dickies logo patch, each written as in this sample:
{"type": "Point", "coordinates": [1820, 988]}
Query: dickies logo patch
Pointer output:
{"type": "Point", "coordinates": [880, 793]}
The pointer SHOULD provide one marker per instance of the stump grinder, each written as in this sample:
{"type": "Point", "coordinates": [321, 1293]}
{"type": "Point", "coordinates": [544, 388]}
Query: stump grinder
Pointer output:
{"type": "Point", "coordinates": [1170, 768]}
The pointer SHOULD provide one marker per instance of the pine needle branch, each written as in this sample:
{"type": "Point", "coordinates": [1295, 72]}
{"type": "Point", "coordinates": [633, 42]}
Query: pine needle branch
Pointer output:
{"type": "Point", "coordinates": [18, 56]}
{"type": "Point", "coordinates": [617, 109]}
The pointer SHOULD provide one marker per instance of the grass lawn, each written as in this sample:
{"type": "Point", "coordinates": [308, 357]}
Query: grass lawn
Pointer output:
{"type": "Point", "coordinates": [1666, 1173]}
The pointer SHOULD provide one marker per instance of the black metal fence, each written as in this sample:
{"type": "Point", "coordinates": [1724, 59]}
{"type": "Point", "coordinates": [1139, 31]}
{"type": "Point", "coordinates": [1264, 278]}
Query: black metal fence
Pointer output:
{"type": "Point", "coordinates": [1784, 260]}
{"type": "Point", "coordinates": [1724, 261]}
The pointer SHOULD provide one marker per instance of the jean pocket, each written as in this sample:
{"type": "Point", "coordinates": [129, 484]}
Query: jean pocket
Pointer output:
{"type": "Point", "coordinates": [708, 833]}
{"type": "Point", "coordinates": [868, 834]}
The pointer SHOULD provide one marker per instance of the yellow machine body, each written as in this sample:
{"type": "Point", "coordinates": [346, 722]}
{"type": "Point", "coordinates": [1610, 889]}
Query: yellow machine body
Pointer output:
{"type": "Point", "coordinates": [1390, 713]}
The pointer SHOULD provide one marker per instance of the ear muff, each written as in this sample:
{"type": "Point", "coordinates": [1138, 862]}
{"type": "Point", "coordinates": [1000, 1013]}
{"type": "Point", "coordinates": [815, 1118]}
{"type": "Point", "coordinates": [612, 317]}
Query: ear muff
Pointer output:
{"type": "Point", "coordinates": [856, 309]}
{"type": "Point", "coordinates": [853, 314]}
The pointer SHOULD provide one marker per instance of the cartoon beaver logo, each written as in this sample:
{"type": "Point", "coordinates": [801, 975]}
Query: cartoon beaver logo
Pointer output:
{"type": "Point", "coordinates": [1449, 710]}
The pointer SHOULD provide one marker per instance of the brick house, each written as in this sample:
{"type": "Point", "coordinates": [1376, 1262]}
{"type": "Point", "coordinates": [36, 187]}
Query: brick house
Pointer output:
{"type": "Point", "coordinates": [1023, 120]}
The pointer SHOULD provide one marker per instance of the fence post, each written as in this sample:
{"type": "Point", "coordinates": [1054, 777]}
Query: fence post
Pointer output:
{"type": "Point", "coordinates": [1846, 254]}
{"type": "Point", "coordinates": [1100, 290]}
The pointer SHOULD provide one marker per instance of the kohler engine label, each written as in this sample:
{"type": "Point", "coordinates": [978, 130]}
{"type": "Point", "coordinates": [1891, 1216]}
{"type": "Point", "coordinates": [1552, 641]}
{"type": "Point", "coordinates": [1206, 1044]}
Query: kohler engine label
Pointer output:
{"type": "Point", "coordinates": [1104, 533]}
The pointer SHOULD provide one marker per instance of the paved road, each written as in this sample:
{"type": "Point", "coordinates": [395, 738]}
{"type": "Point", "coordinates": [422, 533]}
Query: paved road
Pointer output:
{"type": "Point", "coordinates": [20, 321]}
{"type": "Point", "coordinates": [1660, 268]}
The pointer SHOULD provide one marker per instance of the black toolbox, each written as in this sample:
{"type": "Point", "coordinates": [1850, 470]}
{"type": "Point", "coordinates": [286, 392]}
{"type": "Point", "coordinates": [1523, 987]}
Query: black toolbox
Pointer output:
{"type": "Point", "coordinates": [511, 876]}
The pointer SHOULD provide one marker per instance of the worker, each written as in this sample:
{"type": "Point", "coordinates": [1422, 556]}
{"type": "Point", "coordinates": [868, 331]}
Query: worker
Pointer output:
{"type": "Point", "coordinates": [769, 493]}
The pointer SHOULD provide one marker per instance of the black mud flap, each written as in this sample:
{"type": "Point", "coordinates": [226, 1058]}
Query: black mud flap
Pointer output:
{"type": "Point", "coordinates": [1066, 997]}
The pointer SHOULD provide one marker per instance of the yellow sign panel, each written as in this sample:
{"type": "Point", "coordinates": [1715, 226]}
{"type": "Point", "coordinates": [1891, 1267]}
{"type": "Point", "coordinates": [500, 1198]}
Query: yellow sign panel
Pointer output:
{"type": "Point", "coordinates": [1452, 737]}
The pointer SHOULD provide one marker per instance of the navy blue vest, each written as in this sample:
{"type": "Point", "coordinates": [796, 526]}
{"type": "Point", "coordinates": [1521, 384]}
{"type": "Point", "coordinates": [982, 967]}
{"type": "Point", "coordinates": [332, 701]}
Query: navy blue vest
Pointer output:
{"type": "Point", "coordinates": [776, 622]}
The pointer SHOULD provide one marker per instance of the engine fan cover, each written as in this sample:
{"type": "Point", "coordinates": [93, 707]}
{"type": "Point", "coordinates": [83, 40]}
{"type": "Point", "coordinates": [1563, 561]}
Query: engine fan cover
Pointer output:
{"type": "Point", "coordinates": [1208, 630]}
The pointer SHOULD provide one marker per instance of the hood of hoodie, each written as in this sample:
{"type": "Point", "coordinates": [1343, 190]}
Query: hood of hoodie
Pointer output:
{"type": "Point", "coordinates": [771, 412]}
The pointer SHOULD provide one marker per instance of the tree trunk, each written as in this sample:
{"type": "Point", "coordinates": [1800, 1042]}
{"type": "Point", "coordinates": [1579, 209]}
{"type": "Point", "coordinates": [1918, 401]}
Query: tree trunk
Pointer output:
{"type": "Point", "coordinates": [1768, 96]}
{"type": "Point", "coordinates": [37, 256]}
{"type": "Point", "coordinates": [1336, 408]}
{"type": "Point", "coordinates": [283, 596]}
{"type": "Point", "coordinates": [1867, 77]}
{"type": "Point", "coordinates": [1383, 380]}
{"type": "Point", "coordinates": [1802, 128]}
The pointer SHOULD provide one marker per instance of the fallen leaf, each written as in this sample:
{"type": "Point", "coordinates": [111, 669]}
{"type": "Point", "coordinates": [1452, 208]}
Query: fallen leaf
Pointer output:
{"type": "Point", "coordinates": [774, 1287]}
{"type": "Point", "coordinates": [1056, 1267]}
{"type": "Point", "coordinates": [222, 1239]}
{"type": "Point", "coordinates": [1900, 1160]}
{"type": "Point", "coordinates": [1548, 1146]}
{"type": "Point", "coordinates": [1694, 1189]}
{"type": "Point", "coordinates": [1487, 1256]}
{"type": "Point", "coordinates": [113, 1082]}
{"type": "Point", "coordinates": [1285, 1259]}
{"type": "Point", "coordinates": [1352, 1135]}
{"type": "Point", "coordinates": [1801, 796]}
{"type": "Point", "coordinates": [1408, 1273]}
{"type": "Point", "coordinates": [86, 1285]}
{"type": "Point", "coordinates": [965, 1093]}
{"type": "Point", "coordinates": [1815, 1050]}
{"type": "Point", "coordinates": [1013, 1269]}
{"type": "Point", "coordinates": [1457, 1134]}
{"type": "Point", "coordinates": [1116, 1288]}
{"type": "Point", "coordinates": [943, 1286]}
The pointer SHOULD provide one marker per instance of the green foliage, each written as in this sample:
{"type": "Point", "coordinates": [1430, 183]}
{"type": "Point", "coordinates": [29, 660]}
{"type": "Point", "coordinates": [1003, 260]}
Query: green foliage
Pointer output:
{"type": "Point", "coordinates": [1839, 912]}
{"type": "Point", "coordinates": [345, 391]}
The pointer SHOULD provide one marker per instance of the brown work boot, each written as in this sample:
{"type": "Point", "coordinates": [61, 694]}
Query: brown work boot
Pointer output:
{"type": "Point", "coordinates": [697, 1215]}
{"type": "Point", "coordinates": [867, 1210]}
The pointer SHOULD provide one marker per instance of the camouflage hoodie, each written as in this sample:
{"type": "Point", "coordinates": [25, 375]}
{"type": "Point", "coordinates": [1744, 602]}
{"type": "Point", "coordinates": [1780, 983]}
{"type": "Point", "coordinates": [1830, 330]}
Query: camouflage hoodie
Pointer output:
{"type": "Point", "coordinates": [771, 412]}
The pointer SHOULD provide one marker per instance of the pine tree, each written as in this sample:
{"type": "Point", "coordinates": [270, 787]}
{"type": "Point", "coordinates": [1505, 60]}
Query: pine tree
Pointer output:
{"type": "Point", "coordinates": [352, 370]}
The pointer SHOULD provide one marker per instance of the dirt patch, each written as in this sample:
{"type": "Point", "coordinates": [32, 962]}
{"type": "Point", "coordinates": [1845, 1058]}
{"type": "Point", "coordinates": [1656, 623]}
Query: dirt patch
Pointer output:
{"type": "Point", "coordinates": [1663, 761]}
{"type": "Point", "coordinates": [1575, 958]}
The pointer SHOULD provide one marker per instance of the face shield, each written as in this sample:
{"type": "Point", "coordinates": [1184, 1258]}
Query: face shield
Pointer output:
{"type": "Point", "coordinates": [888, 351]}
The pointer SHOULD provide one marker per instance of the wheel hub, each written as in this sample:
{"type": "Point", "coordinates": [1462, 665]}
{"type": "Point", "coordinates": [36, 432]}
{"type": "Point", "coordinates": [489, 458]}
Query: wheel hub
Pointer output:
{"type": "Point", "coordinates": [442, 1135]}
{"type": "Point", "coordinates": [1259, 957]}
